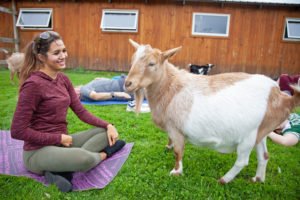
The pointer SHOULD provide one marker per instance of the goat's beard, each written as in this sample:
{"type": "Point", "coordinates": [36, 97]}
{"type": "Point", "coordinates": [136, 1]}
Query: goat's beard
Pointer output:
{"type": "Point", "coordinates": [139, 98]}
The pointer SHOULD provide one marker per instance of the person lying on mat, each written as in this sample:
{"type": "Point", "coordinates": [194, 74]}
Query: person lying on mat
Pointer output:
{"type": "Point", "coordinates": [39, 120]}
{"type": "Point", "coordinates": [103, 89]}
{"type": "Point", "coordinates": [108, 89]}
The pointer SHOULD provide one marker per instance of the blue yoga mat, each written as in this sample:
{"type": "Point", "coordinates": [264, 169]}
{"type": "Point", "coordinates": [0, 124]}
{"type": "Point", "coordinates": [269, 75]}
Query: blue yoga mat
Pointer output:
{"type": "Point", "coordinates": [103, 103]}
{"type": "Point", "coordinates": [108, 102]}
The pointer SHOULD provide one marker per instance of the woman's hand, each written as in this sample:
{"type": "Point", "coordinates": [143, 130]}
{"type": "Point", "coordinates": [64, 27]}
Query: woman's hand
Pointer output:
{"type": "Point", "coordinates": [112, 134]}
{"type": "Point", "coordinates": [66, 140]}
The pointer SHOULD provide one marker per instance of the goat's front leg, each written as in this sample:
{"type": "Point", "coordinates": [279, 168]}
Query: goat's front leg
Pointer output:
{"type": "Point", "coordinates": [178, 144]}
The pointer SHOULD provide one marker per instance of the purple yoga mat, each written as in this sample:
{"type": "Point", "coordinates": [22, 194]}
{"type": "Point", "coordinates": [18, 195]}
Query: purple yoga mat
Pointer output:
{"type": "Point", "coordinates": [97, 178]}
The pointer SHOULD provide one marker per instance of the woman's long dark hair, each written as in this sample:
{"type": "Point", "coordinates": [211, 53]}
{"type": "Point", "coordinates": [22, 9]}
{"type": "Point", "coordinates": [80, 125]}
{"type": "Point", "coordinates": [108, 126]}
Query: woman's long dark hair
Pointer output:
{"type": "Point", "coordinates": [39, 45]}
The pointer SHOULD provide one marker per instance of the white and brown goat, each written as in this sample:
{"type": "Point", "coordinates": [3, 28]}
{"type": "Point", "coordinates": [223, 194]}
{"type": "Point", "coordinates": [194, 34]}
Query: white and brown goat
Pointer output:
{"type": "Point", "coordinates": [14, 62]}
{"type": "Point", "coordinates": [227, 112]}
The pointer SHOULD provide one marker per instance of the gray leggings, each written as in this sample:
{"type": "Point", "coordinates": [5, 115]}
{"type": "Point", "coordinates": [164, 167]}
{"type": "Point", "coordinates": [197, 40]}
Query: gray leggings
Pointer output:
{"type": "Point", "coordinates": [83, 155]}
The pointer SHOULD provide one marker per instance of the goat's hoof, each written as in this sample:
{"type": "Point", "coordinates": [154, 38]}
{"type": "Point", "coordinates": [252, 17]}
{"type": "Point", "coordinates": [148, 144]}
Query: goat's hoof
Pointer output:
{"type": "Point", "coordinates": [175, 172]}
{"type": "Point", "coordinates": [222, 181]}
{"type": "Point", "coordinates": [257, 179]}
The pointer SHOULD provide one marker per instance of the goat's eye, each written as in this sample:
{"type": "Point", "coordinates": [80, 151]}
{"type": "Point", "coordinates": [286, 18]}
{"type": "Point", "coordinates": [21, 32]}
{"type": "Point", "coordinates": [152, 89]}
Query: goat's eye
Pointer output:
{"type": "Point", "coordinates": [151, 64]}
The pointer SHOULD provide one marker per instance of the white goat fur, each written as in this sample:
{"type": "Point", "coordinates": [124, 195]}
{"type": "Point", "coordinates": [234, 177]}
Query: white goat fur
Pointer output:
{"type": "Point", "coordinates": [14, 62]}
{"type": "Point", "coordinates": [227, 112]}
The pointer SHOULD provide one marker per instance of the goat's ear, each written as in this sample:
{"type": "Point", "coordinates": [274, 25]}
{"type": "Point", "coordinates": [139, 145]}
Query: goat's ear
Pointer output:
{"type": "Point", "coordinates": [169, 53]}
{"type": "Point", "coordinates": [134, 44]}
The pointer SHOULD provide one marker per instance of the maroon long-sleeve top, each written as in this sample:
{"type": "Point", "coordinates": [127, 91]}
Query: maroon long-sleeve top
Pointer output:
{"type": "Point", "coordinates": [40, 116]}
{"type": "Point", "coordinates": [285, 80]}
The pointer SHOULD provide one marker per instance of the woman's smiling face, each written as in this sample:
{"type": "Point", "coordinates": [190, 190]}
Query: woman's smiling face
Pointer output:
{"type": "Point", "coordinates": [56, 56]}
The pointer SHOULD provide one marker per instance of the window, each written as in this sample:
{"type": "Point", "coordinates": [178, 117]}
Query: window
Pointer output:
{"type": "Point", "coordinates": [210, 24]}
{"type": "Point", "coordinates": [292, 29]}
{"type": "Point", "coordinates": [119, 20]}
{"type": "Point", "coordinates": [35, 18]}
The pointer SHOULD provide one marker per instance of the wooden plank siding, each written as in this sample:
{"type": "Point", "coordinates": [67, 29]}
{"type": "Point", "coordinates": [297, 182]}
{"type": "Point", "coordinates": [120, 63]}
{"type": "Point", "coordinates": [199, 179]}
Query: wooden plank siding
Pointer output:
{"type": "Point", "coordinates": [254, 45]}
{"type": "Point", "coordinates": [6, 31]}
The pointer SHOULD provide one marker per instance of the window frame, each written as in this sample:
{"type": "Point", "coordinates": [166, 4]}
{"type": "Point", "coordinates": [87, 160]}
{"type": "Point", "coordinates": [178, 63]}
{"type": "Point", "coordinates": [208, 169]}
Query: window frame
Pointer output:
{"type": "Point", "coordinates": [36, 27]}
{"type": "Point", "coordinates": [210, 34]}
{"type": "Point", "coordinates": [133, 29]}
{"type": "Point", "coordinates": [286, 36]}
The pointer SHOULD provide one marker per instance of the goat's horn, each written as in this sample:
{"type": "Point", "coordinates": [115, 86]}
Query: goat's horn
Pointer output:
{"type": "Point", "coordinates": [134, 44]}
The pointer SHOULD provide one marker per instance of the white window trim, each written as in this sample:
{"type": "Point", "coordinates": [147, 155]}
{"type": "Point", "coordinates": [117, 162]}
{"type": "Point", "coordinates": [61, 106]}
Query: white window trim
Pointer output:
{"type": "Point", "coordinates": [120, 29]}
{"type": "Point", "coordinates": [286, 27]}
{"type": "Point", "coordinates": [211, 34]}
{"type": "Point", "coordinates": [31, 26]}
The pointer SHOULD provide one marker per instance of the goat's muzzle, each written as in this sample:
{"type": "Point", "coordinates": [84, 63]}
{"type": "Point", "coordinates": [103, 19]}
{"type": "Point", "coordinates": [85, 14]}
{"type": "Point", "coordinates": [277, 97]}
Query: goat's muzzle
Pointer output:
{"type": "Point", "coordinates": [128, 84]}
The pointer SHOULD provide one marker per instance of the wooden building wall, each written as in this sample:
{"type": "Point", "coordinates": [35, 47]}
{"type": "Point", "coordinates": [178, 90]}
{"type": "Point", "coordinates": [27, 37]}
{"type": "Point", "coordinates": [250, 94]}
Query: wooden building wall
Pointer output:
{"type": "Point", "coordinates": [254, 45]}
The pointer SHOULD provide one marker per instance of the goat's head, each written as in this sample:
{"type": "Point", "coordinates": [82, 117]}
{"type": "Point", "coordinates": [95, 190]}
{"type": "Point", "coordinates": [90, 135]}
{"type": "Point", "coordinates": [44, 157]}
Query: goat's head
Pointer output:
{"type": "Point", "coordinates": [147, 66]}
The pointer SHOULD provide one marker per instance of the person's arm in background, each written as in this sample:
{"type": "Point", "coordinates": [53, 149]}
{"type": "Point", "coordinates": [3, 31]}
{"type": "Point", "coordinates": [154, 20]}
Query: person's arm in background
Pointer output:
{"type": "Point", "coordinates": [288, 139]}
{"type": "Point", "coordinates": [108, 95]}
{"type": "Point", "coordinates": [101, 78]}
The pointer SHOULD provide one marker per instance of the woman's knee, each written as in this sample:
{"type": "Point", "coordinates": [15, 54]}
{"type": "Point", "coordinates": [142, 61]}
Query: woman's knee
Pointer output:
{"type": "Point", "coordinates": [97, 130]}
{"type": "Point", "coordinates": [100, 130]}
{"type": "Point", "coordinates": [88, 161]}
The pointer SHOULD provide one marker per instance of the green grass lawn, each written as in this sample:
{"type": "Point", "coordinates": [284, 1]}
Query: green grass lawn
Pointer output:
{"type": "Point", "coordinates": [145, 175]}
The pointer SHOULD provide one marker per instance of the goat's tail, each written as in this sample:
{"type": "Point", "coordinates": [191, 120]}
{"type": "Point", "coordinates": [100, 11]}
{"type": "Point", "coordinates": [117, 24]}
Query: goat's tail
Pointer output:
{"type": "Point", "coordinates": [296, 95]}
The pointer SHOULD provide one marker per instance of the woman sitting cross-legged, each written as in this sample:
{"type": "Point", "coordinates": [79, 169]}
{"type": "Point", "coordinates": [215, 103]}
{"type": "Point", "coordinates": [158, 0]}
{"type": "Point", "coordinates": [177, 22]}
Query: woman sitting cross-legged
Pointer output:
{"type": "Point", "coordinates": [40, 117]}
